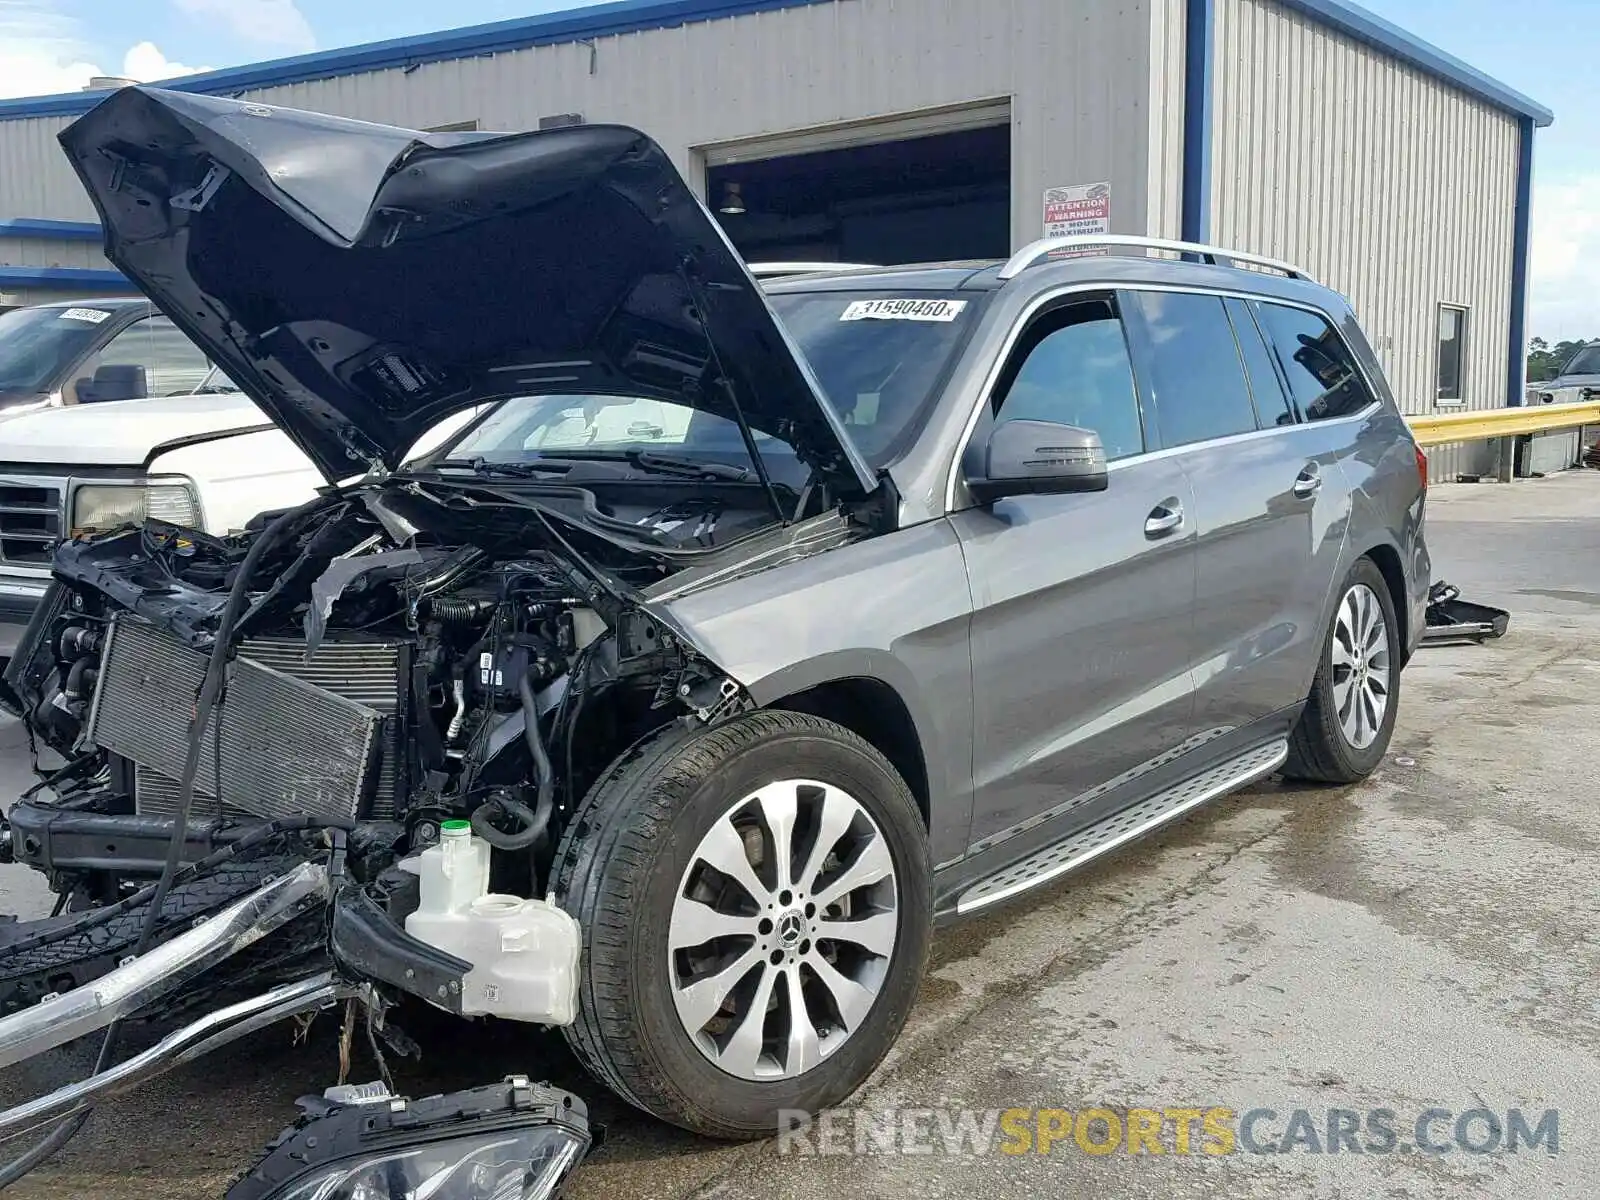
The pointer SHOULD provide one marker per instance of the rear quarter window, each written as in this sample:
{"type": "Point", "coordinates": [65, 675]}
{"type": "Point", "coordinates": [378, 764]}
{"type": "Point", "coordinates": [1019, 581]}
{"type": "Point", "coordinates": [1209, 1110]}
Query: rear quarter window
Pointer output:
{"type": "Point", "coordinates": [1320, 369]}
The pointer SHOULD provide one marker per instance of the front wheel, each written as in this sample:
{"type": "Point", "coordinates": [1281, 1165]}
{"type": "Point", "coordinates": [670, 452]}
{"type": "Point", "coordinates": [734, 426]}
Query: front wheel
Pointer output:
{"type": "Point", "coordinates": [756, 903]}
{"type": "Point", "coordinates": [1349, 717]}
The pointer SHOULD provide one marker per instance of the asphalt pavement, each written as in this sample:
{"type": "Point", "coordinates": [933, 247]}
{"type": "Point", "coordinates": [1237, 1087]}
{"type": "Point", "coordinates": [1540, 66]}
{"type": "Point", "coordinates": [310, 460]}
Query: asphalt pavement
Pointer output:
{"type": "Point", "coordinates": [1421, 945]}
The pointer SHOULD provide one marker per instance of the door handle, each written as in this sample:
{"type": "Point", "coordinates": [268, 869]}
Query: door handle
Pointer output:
{"type": "Point", "coordinates": [1309, 481]}
{"type": "Point", "coordinates": [1164, 518]}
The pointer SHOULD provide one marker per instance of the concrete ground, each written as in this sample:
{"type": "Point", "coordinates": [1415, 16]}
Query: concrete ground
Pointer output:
{"type": "Point", "coordinates": [1424, 940]}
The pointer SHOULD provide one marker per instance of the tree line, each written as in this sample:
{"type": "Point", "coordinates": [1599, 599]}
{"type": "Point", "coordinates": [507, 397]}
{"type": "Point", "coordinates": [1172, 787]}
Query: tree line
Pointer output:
{"type": "Point", "coordinates": [1545, 361]}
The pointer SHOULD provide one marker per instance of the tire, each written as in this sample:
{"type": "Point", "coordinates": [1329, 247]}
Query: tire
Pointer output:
{"type": "Point", "coordinates": [1323, 748]}
{"type": "Point", "coordinates": [637, 848]}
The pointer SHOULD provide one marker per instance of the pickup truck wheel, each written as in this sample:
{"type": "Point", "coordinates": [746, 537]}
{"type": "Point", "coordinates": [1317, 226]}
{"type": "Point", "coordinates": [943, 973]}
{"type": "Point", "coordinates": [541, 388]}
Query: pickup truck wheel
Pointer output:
{"type": "Point", "coordinates": [1345, 729]}
{"type": "Point", "coordinates": [756, 903]}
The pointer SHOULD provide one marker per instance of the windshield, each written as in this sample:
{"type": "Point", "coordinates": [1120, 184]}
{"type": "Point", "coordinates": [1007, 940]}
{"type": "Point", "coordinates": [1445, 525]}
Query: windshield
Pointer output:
{"type": "Point", "coordinates": [879, 357]}
{"type": "Point", "coordinates": [1585, 362]}
{"type": "Point", "coordinates": [36, 344]}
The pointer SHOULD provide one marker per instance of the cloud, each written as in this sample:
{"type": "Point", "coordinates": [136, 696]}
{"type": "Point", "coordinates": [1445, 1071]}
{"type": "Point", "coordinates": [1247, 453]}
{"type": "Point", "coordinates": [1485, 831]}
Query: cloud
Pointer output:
{"type": "Point", "coordinates": [276, 23]}
{"type": "Point", "coordinates": [145, 62]}
{"type": "Point", "coordinates": [41, 53]}
{"type": "Point", "coordinates": [1565, 300]}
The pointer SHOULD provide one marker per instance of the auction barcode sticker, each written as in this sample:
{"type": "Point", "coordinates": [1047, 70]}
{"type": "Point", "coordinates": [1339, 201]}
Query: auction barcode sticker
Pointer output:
{"type": "Point", "coordinates": [92, 315]}
{"type": "Point", "coordinates": [903, 310]}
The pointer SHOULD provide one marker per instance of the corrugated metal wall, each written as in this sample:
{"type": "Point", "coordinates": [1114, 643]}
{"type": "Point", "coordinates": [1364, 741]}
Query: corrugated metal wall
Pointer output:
{"type": "Point", "coordinates": [1077, 73]}
{"type": "Point", "coordinates": [1165, 160]}
{"type": "Point", "coordinates": [1385, 183]}
{"type": "Point", "coordinates": [35, 180]}
{"type": "Point", "coordinates": [50, 252]}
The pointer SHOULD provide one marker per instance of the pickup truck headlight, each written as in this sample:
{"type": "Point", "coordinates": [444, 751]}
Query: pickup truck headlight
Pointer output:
{"type": "Point", "coordinates": [97, 507]}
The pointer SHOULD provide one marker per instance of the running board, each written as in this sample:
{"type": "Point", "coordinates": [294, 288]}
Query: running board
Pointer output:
{"type": "Point", "coordinates": [1121, 827]}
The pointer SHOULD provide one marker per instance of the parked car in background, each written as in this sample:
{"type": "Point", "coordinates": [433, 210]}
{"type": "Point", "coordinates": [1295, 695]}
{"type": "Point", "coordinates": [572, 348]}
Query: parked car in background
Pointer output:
{"type": "Point", "coordinates": [206, 459]}
{"type": "Point", "coordinates": [1579, 380]}
{"type": "Point", "coordinates": [72, 352]}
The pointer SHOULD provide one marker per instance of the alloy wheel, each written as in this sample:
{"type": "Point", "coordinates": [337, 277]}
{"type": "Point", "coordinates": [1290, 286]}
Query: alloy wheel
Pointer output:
{"type": "Point", "coordinates": [1361, 667]}
{"type": "Point", "coordinates": [782, 929]}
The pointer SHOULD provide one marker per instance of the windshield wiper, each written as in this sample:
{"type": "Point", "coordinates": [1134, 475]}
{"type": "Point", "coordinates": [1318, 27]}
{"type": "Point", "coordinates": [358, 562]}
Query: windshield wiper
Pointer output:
{"type": "Point", "coordinates": [484, 467]}
{"type": "Point", "coordinates": [640, 460]}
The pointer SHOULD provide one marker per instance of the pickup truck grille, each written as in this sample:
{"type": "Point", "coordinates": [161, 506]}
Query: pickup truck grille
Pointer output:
{"type": "Point", "coordinates": [30, 521]}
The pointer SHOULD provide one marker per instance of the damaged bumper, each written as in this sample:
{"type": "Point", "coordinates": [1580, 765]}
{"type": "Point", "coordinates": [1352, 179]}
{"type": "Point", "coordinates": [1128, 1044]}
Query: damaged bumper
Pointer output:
{"type": "Point", "coordinates": [522, 1138]}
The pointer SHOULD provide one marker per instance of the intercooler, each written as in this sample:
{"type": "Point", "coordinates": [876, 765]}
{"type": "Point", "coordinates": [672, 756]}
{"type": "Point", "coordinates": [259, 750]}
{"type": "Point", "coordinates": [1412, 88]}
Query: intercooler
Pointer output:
{"type": "Point", "coordinates": [321, 737]}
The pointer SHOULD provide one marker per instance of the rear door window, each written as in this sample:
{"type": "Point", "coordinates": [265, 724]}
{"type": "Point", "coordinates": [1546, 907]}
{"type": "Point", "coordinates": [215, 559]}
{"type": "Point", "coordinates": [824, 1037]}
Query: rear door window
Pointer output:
{"type": "Point", "coordinates": [1321, 371]}
{"type": "Point", "coordinates": [1197, 374]}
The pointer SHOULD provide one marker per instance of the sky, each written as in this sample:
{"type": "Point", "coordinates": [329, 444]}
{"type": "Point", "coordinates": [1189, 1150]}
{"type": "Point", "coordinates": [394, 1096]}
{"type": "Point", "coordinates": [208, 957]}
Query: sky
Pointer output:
{"type": "Point", "coordinates": [1543, 48]}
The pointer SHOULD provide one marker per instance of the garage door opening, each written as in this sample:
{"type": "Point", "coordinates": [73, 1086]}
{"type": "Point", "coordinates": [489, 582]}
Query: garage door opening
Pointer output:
{"type": "Point", "coordinates": [925, 199]}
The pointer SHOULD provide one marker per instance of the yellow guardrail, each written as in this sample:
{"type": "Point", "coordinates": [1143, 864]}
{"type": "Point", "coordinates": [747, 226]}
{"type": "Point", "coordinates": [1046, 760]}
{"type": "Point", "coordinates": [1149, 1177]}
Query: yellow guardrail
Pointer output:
{"type": "Point", "coordinates": [1439, 429]}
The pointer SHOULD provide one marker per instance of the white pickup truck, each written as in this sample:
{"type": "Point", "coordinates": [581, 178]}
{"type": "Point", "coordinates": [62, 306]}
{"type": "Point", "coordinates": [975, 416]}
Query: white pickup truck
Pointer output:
{"type": "Point", "coordinates": [208, 460]}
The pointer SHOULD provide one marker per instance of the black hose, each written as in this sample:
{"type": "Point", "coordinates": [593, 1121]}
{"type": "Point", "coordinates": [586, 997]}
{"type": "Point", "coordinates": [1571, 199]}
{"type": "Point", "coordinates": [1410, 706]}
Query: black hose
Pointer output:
{"type": "Point", "coordinates": [535, 820]}
{"type": "Point", "coordinates": [210, 689]}
{"type": "Point", "coordinates": [73, 688]}
{"type": "Point", "coordinates": [544, 774]}
{"type": "Point", "coordinates": [456, 610]}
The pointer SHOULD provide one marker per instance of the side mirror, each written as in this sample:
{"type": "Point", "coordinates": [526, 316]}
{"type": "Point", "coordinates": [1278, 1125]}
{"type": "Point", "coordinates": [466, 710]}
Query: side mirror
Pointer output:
{"type": "Point", "coordinates": [114, 381]}
{"type": "Point", "coordinates": [1031, 458]}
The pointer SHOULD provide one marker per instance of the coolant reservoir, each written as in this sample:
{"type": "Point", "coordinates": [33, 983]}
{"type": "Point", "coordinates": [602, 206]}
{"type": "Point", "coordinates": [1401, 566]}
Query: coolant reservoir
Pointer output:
{"type": "Point", "coordinates": [524, 953]}
{"type": "Point", "coordinates": [455, 871]}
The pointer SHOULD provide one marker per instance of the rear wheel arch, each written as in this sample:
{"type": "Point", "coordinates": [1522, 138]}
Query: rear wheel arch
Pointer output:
{"type": "Point", "coordinates": [1387, 559]}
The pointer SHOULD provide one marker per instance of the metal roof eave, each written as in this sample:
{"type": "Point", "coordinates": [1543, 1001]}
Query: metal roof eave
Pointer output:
{"type": "Point", "coordinates": [630, 16]}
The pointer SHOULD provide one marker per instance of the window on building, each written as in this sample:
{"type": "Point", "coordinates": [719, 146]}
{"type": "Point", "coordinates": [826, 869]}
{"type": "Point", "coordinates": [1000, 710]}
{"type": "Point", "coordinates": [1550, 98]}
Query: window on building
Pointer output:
{"type": "Point", "coordinates": [1073, 367]}
{"type": "Point", "coordinates": [1200, 387]}
{"type": "Point", "coordinates": [1452, 352]}
{"type": "Point", "coordinates": [454, 127]}
{"type": "Point", "coordinates": [1322, 373]}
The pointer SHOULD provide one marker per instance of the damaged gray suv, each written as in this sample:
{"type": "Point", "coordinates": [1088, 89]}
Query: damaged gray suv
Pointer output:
{"type": "Point", "coordinates": [752, 627]}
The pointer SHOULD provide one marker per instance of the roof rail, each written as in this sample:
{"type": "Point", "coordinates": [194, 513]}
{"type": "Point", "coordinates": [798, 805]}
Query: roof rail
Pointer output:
{"type": "Point", "coordinates": [776, 270]}
{"type": "Point", "coordinates": [1041, 251]}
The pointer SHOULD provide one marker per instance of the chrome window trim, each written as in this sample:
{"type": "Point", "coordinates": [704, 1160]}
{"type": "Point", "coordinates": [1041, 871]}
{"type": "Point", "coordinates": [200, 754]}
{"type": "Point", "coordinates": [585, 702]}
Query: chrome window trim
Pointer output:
{"type": "Point", "coordinates": [1044, 299]}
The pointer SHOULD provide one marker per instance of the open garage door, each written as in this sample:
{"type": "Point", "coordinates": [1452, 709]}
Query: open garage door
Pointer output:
{"type": "Point", "coordinates": [901, 192]}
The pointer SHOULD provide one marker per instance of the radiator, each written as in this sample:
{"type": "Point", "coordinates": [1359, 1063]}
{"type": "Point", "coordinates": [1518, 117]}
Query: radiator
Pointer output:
{"type": "Point", "coordinates": [287, 745]}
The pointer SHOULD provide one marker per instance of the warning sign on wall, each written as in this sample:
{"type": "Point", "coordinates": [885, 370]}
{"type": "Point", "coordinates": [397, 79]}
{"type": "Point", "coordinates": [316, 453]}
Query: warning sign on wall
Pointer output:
{"type": "Point", "coordinates": [1083, 208]}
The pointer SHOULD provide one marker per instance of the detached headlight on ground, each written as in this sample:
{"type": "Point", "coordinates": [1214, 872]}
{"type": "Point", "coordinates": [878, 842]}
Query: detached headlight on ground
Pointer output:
{"type": "Point", "coordinates": [98, 507]}
{"type": "Point", "coordinates": [510, 1141]}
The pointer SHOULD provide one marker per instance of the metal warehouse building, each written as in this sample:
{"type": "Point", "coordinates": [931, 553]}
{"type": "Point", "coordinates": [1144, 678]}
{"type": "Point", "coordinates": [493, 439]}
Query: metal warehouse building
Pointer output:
{"type": "Point", "coordinates": [914, 130]}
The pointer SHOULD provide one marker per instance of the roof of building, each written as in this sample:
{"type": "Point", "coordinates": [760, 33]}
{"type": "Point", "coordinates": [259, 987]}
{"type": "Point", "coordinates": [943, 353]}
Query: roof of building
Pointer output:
{"type": "Point", "coordinates": [631, 16]}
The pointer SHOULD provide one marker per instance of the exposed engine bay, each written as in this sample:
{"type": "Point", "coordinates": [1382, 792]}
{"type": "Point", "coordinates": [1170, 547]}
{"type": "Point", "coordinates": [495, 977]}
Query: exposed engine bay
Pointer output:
{"type": "Point", "coordinates": [410, 652]}
{"type": "Point", "coordinates": [340, 758]}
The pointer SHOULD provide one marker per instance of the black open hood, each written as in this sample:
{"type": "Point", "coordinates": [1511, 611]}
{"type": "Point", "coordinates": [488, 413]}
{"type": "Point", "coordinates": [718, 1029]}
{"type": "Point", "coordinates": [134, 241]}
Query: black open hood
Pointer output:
{"type": "Point", "coordinates": [361, 282]}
